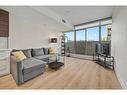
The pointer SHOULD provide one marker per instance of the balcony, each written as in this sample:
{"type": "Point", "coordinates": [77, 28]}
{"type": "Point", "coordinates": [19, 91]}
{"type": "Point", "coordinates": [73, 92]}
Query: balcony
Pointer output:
{"type": "Point", "coordinates": [82, 47]}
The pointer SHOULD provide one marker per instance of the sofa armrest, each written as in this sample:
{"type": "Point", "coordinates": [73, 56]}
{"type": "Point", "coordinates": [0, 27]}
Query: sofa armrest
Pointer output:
{"type": "Point", "coordinates": [16, 68]}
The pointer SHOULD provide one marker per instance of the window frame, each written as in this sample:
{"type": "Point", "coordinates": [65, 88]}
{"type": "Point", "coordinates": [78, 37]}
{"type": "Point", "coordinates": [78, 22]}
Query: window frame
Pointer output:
{"type": "Point", "coordinates": [100, 36]}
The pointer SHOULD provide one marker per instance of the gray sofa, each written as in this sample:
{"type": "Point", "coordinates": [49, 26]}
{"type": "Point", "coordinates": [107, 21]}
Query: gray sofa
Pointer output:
{"type": "Point", "coordinates": [31, 67]}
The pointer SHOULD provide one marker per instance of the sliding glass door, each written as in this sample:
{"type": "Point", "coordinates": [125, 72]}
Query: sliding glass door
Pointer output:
{"type": "Point", "coordinates": [92, 39]}
{"type": "Point", "coordinates": [84, 39]}
{"type": "Point", "coordinates": [80, 41]}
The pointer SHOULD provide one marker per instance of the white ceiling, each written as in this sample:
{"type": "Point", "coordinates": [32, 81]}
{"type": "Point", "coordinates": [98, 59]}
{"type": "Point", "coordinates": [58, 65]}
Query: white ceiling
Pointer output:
{"type": "Point", "coordinates": [28, 14]}
{"type": "Point", "coordinates": [51, 17]}
{"type": "Point", "coordinates": [81, 14]}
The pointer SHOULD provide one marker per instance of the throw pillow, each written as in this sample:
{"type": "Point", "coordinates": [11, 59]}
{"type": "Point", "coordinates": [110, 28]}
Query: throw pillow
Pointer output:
{"type": "Point", "coordinates": [51, 50]}
{"type": "Point", "coordinates": [14, 50]}
{"type": "Point", "coordinates": [19, 55]}
{"type": "Point", "coordinates": [37, 52]}
{"type": "Point", "coordinates": [27, 53]}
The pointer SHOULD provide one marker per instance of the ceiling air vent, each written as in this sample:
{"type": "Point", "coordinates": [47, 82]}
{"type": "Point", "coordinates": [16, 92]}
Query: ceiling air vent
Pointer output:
{"type": "Point", "coordinates": [63, 21]}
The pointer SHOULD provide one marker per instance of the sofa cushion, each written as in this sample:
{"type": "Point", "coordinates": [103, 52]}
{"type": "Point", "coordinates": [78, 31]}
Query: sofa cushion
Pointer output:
{"type": "Point", "coordinates": [27, 53]}
{"type": "Point", "coordinates": [32, 64]}
{"type": "Point", "coordinates": [37, 52]}
{"type": "Point", "coordinates": [46, 50]}
{"type": "Point", "coordinates": [33, 74]}
{"type": "Point", "coordinates": [14, 50]}
{"type": "Point", "coordinates": [42, 57]}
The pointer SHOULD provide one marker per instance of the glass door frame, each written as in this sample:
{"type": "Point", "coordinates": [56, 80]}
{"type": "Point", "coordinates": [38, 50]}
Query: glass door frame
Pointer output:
{"type": "Point", "coordinates": [75, 41]}
{"type": "Point", "coordinates": [85, 40]}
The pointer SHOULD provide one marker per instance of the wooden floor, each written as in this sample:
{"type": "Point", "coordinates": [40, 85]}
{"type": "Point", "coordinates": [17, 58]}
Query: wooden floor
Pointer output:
{"type": "Point", "coordinates": [76, 74]}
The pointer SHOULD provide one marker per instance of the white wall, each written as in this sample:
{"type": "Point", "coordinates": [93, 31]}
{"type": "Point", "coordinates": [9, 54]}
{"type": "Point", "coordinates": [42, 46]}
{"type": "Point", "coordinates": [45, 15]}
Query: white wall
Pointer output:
{"type": "Point", "coordinates": [25, 34]}
{"type": "Point", "coordinates": [119, 43]}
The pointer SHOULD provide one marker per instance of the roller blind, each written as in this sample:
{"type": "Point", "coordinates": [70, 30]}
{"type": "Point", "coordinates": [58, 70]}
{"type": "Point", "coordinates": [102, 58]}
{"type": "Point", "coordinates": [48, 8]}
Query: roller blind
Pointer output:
{"type": "Point", "coordinates": [4, 23]}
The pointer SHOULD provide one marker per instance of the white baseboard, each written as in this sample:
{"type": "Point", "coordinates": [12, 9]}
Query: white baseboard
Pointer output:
{"type": "Point", "coordinates": [122, 83]}
{"type": "Point", "coordinates": [82, 56]}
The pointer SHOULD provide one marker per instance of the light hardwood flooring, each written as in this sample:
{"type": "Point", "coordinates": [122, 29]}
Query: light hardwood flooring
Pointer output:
{"type": "Point", "coordinates": [76, 74]}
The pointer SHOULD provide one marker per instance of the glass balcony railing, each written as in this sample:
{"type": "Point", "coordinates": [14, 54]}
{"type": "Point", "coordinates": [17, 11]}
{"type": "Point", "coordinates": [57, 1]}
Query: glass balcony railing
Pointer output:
{"type": "Point", "coordinates": [82, 47]}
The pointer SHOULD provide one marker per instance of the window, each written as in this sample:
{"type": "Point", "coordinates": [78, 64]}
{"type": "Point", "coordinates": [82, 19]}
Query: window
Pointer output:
{"type": "Point", "coordinates": [84, 39]}
{"type": "Point", "coordinates": [80, 35]}
{"type": "Point", "coordinates": [103, 33]}
{"type": "Point", "coordinates": [70, 36]}
{"type": "Point", "coordinates": [80, 41]}
{"type": "Point", "coordinates": [106, 33]}
{"type": "Point", "coordinates": [93, 34]}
